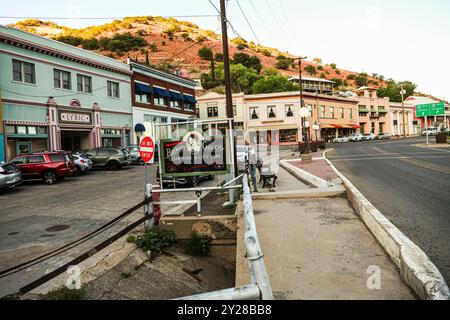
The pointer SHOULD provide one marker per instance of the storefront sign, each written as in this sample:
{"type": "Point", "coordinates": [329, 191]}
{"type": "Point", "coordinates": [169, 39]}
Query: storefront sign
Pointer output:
{"type": "Point", "coordinates": [194, 155]}
{"type": "Point", "coordinates": [75, 117]}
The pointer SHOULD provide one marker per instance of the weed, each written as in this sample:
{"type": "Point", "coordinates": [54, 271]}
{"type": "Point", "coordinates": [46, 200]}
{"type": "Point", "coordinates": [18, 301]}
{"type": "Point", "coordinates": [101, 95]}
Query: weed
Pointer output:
{"type": "Point", "coordinates": [156, 240]}
{"type": "Point", "coordinates": [198, 245]}
{"type": "Point", "coordinates": [65, 293]}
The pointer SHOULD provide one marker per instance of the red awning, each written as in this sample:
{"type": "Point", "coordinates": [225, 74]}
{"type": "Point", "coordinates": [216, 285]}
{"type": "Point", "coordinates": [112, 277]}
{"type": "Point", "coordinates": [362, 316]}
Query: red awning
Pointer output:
{"type": "Point", "coordinates": [337, 126]}
{"type": "Point", "coordinates": [355, 126]}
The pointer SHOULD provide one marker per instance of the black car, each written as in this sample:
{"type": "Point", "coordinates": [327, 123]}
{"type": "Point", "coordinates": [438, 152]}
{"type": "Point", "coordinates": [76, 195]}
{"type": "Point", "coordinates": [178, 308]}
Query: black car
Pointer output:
{"type": "Point", "coordinates": [182, 181]}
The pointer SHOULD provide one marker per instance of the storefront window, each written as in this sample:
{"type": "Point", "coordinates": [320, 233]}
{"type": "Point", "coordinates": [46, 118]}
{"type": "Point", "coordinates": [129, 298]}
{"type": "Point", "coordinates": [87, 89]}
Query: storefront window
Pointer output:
{"type": "Point", "coordinates": [32, 130]}
{"type": "Point", "coordinates": [289, 135]}
{"type": "Point", "coordinates": [21, 130]}
{"type": "Point", "coordinates": [10, 129]}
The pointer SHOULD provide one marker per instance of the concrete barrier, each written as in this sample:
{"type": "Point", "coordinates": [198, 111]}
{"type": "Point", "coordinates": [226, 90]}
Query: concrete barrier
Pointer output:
{"type": "Point", "coordinates": [305, 176]}
{"type": "Point", "coordinates": [335, 191]}
{"type": "Point", "coordinates": [417, 270]}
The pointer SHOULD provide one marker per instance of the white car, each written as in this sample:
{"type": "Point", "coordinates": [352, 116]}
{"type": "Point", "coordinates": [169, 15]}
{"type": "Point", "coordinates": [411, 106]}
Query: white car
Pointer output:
{"type": "Point", "coordinates": [368, 137]}
{"type": "Point", "coordinates": [355, 137]}
{"type": "Point", "coordinates": [432, 131]}
{"type": "Point", "coordinates": [341, 139]}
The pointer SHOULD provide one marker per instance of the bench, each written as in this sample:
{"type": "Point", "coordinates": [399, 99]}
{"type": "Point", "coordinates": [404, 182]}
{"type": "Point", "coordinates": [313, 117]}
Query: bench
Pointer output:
{"type": "Point", "coordinates": [267, 177]}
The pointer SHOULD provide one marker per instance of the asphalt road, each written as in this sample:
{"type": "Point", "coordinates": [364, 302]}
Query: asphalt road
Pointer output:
{"type": "Point", "coordinates": [409, 185]}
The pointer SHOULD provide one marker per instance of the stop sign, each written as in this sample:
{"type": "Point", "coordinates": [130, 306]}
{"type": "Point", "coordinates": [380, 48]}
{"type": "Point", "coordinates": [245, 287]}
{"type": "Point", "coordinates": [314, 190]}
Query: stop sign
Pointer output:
{"type": "Point", "coordinates": [147, 150]}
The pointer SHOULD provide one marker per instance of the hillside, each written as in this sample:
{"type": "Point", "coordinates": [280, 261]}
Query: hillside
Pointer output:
{"type": "Point", "coordinates": [171, 44]}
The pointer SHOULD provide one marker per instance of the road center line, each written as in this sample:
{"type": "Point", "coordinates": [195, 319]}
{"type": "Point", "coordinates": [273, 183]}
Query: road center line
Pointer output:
{"type": "Point", "coordinates": [389, 158]}
{"type": "Point", "coordinates": [427, 165]}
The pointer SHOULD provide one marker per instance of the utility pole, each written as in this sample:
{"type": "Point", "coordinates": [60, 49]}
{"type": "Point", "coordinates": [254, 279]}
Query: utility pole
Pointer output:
{"type": "Point", "coordinates": [300, 82]}
{"type": "Point", "coordinates": [228, 92]}
{"type": "Point", "coordinates": [403, 108]}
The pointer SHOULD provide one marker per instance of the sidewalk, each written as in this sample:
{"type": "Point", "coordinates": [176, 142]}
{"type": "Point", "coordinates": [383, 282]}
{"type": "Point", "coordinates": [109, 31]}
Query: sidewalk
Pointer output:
{"type": "Point", "coordinates": [318, 249]}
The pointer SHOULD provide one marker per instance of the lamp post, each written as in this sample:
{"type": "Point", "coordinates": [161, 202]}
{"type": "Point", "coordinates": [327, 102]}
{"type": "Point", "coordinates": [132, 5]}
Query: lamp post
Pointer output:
{"type": "Point", "coordinates": [316, 128]}
{"type": "Point", "coordinates": [403, 92]}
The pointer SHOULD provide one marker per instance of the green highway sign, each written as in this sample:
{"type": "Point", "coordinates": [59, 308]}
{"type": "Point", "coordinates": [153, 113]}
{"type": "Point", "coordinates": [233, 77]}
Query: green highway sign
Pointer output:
{"type": "Point", "coordinates": [430, 109]}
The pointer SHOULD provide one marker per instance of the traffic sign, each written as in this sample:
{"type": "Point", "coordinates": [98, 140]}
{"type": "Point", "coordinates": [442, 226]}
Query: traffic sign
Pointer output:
{"type": "Point", "coordinates": [430, 109]}
{"type": "Point", "coordinates": [147, 150]}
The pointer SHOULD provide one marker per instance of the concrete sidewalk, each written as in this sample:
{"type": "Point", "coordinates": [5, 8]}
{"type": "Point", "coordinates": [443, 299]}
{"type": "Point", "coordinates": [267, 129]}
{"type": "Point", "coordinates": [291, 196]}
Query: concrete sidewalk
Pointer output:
{"type": "Point", "coordinates": [318, 249]}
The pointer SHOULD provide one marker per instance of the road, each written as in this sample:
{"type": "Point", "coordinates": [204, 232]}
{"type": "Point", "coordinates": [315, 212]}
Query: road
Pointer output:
{"type": "Point", "coordinates": [79, 204]}
{"type": "Point", "coordinates": [409, 185]}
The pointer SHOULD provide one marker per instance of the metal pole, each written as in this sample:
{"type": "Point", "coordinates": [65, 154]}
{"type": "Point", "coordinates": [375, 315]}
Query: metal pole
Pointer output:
{"type": "Point", "coordinates": [148, 208]}
{"type": "Point", "coordinates": [226, 66]}
{"type": "Point", "coordinates": [232, 158]}
{"type": "Point", "coordinates": [426, 127]}
{"type": "Point", "coordinates": [403, 108]}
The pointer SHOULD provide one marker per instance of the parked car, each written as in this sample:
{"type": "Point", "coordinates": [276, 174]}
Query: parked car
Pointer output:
{"type": "Point", "coordinates": [110, 158]}
{"type": "Point", "coordinates": [182, 181]}
{"type": "Point", "coordinates": [10, 176]}
{"type": "Point", "coordinates": [355, 137]}
{"type": "Point", "coordinates": [368, 137]}
{"type": "Point", "coordinates": [383, 136]}
{"type": "Point", "coordinates": [135, 156]}
{"type": "Point", "coordinates": [341, 139]}
{"type": "Point", "coordinates": [432, 131]}
{"type": "Point", "coordinates": [48, 166]}
{"type": "Point", "coordinates": [82, 163]}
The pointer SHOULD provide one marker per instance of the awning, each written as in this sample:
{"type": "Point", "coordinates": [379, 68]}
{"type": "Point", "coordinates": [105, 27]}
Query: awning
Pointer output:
{"type": "Point", "coordinates": [382, 111]}
{"type": "Point", "coordinates": [326, 126]}
{"type": "Point", "coordinates": [189, 99]}
{"type": "Point", "coordinates": [161, 92]}
{"type": "Point", "coordinates": [337, 126]}
{"type": "Point", "coordinates": [142, 88]}
{"type": "Point", "coordinates": [355, 126]}
{"type": "Point", "coordinates": [363, 110]}
{"type": "Point", "coordinates": [139, 128]}
{"type": "Point", "coordinates": [176, 96]}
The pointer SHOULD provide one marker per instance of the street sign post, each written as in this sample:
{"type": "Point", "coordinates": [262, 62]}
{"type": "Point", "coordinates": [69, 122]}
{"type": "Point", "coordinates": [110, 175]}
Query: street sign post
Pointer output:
{"type": "Point", "coordinates": [147, 153]}
{"type": "Point", "coordinates": [429, 110]}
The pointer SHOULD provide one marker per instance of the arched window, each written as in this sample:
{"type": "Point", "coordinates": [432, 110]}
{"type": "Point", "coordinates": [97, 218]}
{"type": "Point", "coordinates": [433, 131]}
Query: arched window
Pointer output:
{"type": "Point", "coordinates": [271, 112]}
{"type": "Point", "coordinates": [75, 103]}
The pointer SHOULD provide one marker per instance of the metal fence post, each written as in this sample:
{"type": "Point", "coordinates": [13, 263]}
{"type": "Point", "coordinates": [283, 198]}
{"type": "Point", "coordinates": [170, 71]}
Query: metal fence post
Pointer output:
{"type": "Point", "coordinates": [148, 208]}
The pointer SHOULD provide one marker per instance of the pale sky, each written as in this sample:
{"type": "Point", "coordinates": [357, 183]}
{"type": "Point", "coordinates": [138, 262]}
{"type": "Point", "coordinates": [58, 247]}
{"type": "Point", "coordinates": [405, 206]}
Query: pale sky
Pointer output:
{"type": "Point", "coordinates": [400, 39]}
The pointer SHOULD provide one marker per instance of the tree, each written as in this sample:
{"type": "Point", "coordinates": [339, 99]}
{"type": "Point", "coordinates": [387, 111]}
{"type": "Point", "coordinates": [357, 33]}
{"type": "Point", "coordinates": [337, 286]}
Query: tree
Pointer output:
{"type": "Point", "coordinates": [90, 44]}
{"type": "Point", "coordinates": [338, 81]}
{"type": "Point", "coordinates": [310, 69]}
{"type": "Point", "coordinates": [213, 70]}
{"type": "Point", "coordinates": [205, 53]}
{"type": "Point", "coordinates": [248, 61]}
{"type": "Point", "coordinates": [320, 68]}
{"type": "Point", "coordinates": [392, 90]}
{"type": "Point", "coordinates": [270, 72]}
{"type": "Point", "coordinates": [274, 83]}
{"type": "Point", "coordinates": [219, 57]}
{"type": "Point", "coordinates": [333, 66]}
{"type": "Point", "coordinates": [73, 41]}
{"type": "Point", "coordinates": [351, 77]}
{"type": "Point", "coordinates": [147, 61]}
{"type": "Point", "coordinates": [283, 64]}
{"type": "Point", "coordinates": [242, 78]}
{"type": "Point", "coordinates": [361, 80]}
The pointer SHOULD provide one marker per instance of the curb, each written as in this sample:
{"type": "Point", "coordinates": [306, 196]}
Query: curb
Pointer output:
{"type": "Point", "coordinates": [299, 194]}
{"type": "Point", "coordinates": [305, 176]}
{"type": "Point", "coordinates": [417, 270]}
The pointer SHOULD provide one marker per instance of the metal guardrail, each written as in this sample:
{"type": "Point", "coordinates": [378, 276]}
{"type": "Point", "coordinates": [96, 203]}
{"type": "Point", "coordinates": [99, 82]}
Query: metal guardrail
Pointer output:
{"type": "Point", "coordinates": [259, 289]}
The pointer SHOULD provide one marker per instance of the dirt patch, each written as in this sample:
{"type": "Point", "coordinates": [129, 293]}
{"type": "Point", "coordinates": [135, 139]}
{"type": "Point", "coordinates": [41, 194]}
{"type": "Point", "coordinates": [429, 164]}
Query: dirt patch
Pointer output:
{"type": "Point", "coordinates": [212, 205]}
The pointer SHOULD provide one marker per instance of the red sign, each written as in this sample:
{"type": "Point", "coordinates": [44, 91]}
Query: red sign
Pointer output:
{"type": "Point", "coordinates": [147, 150]}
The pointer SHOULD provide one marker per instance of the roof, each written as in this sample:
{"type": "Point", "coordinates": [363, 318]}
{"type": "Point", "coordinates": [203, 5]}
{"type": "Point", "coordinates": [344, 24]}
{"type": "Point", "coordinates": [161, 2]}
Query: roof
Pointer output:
{"type": "Point", "coordinates": [30, 41]}
{"type": "Point", "coordinates": [365, 88]}
{"type": "Point", "coordinates": [310, 79]}
{"type": "Point", "coordinates": [416, 100]}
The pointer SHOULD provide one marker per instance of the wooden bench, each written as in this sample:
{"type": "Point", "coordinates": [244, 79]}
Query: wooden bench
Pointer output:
{"type": "Point", "coordinates": [267, 177]}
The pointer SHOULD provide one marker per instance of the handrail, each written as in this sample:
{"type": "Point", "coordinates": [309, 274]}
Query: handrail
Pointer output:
{"type": "Point", "coordinates": [259, 289]}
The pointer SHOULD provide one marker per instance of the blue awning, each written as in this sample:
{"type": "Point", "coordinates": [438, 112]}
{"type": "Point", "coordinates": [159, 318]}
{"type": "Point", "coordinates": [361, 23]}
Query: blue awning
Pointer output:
{"type": "Point", "coordinates": [176, 96]}
{"type": "Point", "coordinates": [142, 88]}
{"type": "Point", "coordinates": [139, 128]}
{"type": "Point", "coordinates": [189, 99]}
{"type": "Point", "coordinates": [161, 92]}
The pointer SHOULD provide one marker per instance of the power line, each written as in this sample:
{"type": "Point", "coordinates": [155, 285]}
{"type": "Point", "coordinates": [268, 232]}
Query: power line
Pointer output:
{"type": "Point", "coordinates": [189, 47]}
{"type": "Point", "coordinates": [248, 22]}
{"type": "Point", "coordinates": [288, 22]}
{"type": "Point", "coordinates": [273, 16]}
{"type": "Point", "coordinates": [46, 96]}
{"type": "Point", "coordinates": [104, 18]}
{"type": "Point", "coordinates": [260, 18]}
{"type": "Point", "coordinates": [226, 19]}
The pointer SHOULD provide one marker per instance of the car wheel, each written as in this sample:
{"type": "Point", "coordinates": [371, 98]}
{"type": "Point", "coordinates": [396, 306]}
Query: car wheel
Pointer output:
{"type": "Point", "coordinates": [113, 165]}
{"type": "Point", "coordinates": [50, 177]}
{"type": "Point", "coordinates": [210, 177]}
{"type": "Point", "coordinates": [77, 171]}
{"type": "Point", "coordinates": [194, 182]}
{"type": "Point", "coordinates": [141, 162]}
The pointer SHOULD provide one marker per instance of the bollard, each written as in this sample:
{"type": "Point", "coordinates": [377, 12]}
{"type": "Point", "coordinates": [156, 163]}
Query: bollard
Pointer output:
{"type": "Point", "coordinates": [156, 196]}
{"type": "Point", "coordinates": [148, 208]}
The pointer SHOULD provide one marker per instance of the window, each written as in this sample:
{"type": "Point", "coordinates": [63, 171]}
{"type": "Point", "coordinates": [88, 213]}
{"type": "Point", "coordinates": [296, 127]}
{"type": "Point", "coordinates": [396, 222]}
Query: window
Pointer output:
{"type": "Point", "coordinates": [309, 111]}
{"type": "Point", "coordinates": [20, 160]}
{"type": "Point", "coordinates": [271, 112]}
{"type": "Point", "coordinates": [61, 79]}
{"type": "Point", "coordinates": [350, 113]}
{"type": "Point", "coordinates": [332, 112]}
{"type": "Point", "coordinates": [254, 114]}
{"type": "Point", "coordinates": [10, 129]}
{"type": "Point", "coordinates": [35, 159]}
{"type": "Point", "coordinates": [21, 130]}
{"type": "Point", "coordinates": [159, 101]}
{"type": "Point", "coordinates": [142, 98]}
{"type": "Point", "coordinates": [32, 130]}
{"type": "Point", "coordinates": [289, 110]}
{"type": "Point", "coordinates": [23, 72]}
{"type": "Point", "coordinates": [174, 103]}
{"type": "Point", "coordinates": [322, 111]}
{"type": "Point", "coordinates": [189, 106]}
{"type": "Point", "coordinates": [57, 158]}
{"type": "Point", "coordinates": [213, 112]}
{"type": "Point", "coordinates": [234, 110]}
{"type": "Point", "coordinates": [84, 83]}
{"type": "Point", "coordinates": [113, 89]}
{"type": "Point", "coordinates": [103, 152]}
{"type": "Point", "coordinates": [341, 112]}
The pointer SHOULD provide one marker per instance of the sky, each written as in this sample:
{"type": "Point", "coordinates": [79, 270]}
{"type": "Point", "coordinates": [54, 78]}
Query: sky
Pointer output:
{"type": "Point", "coordinates": [400, 39]}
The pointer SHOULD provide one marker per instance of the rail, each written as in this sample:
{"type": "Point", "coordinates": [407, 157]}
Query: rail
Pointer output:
{"type": "Point", "coordinates": [259, 289]}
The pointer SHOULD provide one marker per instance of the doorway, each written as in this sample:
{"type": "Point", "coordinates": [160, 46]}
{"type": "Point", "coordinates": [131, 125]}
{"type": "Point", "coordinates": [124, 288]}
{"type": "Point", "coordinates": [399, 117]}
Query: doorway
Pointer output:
{"type": "Point", "coordinates": [75, 141]}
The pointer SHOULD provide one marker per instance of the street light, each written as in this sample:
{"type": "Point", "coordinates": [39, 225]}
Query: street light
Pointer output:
{"type": "Point", "coordinates": [403, 92]}
{"type": "Point", "coordinates": [316, 128]}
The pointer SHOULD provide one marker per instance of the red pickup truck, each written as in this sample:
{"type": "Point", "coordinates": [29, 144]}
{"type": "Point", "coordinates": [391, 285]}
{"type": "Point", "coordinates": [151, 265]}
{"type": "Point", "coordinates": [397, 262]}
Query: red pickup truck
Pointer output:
{"type": "Point", "coordinates": [48, 166]}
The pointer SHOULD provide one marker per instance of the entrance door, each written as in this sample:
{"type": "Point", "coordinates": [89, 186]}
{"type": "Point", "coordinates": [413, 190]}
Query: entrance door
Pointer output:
{"type": "Point", "coordinates": [23, 147]}
{"type": "Point", "coordinates": [75, 141]}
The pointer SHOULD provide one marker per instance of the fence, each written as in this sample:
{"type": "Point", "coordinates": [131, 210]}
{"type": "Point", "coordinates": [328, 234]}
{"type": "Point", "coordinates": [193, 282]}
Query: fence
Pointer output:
{"type": "Point", "coordinates": [259, 289]}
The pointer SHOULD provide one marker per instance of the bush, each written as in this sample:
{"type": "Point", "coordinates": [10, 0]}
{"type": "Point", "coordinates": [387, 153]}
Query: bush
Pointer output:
{"type": "Point", "coordinates": [153, 47]}
{"type": "Point", "coordinates": [205, 53]}
{"type": "Point", "coordinates": [198, 245]}
{"type": "Point", "coordinates": [131, 239]}
{"type": "Point", "coordinates": [65, 293]}
{"type": "Point", "coordinates": [156, 240]}
{"type": "Point", "coordinates": [310, 69]}
{"type": "Point", "coordinates": [186, 36]}
{"type": "Point", "coordinates": [351, 77]}
{"type": "Point", "coordinates": [266, 52]}
{"type": "Point", "coordinates": [283, 64]}
{"type": "Point", "coordinates": [338, 72]}
{"type": "Point", "coordinates": [333, 66]}
{"type": "Point", "coordinates": [73, 41]}
{"type": "Point", "coordinates": [163, 43]}
{"type": "Point", "coordinates": [90, 44]}
{"type": "Point", "coordinates": [218, 57]}
{"type": "Point", "coordinates": [320, 68]}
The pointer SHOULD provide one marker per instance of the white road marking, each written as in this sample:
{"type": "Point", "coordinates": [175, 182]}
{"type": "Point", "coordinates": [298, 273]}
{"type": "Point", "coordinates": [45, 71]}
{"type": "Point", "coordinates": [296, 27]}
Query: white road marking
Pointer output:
{"type": "Point", "coordinates": [389, 158]}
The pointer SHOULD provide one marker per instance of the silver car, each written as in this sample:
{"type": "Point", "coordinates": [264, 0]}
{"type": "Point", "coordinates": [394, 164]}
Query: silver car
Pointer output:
{"type": "Point", "coordinates": [10, 176]}
{"type": "Point", "coordinates": [82, 164]}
